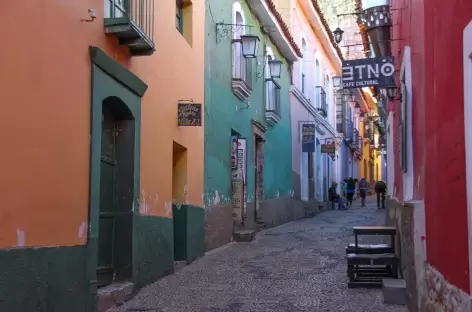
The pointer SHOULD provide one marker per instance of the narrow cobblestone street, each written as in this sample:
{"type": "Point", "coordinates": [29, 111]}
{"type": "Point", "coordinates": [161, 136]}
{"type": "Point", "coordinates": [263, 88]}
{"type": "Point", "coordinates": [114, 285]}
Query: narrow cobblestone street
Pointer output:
{"type": "Point", "coordinates": [298, 266]}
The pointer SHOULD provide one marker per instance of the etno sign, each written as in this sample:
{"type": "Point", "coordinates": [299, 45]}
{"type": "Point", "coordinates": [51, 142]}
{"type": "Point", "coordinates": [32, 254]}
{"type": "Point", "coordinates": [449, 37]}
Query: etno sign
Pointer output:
{"type": "Point", "coordinates": [368, 72]}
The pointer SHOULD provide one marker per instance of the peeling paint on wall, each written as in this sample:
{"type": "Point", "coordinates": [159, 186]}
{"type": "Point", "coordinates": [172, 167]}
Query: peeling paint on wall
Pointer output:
{"type": "Point", "coordinates": [143, 205]}
{"type": "Point", "coordinates": [20, 235]}
{"type": "Point", "coordinates": [168, 207]}
{"type": "Point", "coordinates": [82, 231]}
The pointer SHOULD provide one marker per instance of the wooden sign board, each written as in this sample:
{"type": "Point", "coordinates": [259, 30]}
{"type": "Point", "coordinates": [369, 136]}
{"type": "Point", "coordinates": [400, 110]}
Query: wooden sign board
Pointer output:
{"type": "Point", "coordinates": [238, 200]}
{"type": "Point", "coordinates": [189, 114]}
{"type": "Point", "coordinates": [328, 148]}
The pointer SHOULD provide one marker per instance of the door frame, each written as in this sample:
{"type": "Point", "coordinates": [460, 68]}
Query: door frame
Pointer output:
{"type": "Point", "coordinates": [109, 79]}
{"type": "Point", "coordinates": [468, 132]}
{"type": "Point", "coordinates": [258, 133]}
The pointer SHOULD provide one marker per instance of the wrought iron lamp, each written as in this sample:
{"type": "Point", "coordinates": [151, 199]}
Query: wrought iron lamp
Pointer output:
{"type": "Point", "coordinates": [249, 45]}
{"type": "Point", "coordinates": [353, 97]}
{"type": "Point", "coordinates": [392, 93]}
{"type": "Point", "coordinates": [338, 35]}
{"type": "Point", "coordinates": [357, 107]}
{"type": "Point", "coordinates": [337, 81]}
{"type": "Point", "coordinates": [275, 68]}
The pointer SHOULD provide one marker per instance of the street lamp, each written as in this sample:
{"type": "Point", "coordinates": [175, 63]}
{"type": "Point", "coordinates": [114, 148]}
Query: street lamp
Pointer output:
{"type": "Point", "coordinates": [338, 35]}
{"type": "Point", "coordinates": [353, 97]}
{"type": "Point", "coordinates": [250, 45]}
{"type": "Point", "coordinates": [357, 107]}
{"type": "Point", "coordinates": [337, 81]}
{"type": "Point", "coordinates": [392, 92]}
{"type": "Point", "coordinates": [275, 68]}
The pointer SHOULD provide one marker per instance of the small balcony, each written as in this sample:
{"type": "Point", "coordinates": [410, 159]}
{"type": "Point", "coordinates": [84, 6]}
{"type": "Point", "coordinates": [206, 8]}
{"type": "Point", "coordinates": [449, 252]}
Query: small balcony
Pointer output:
{"type": "Point", "coordinates": [132, 22]}
{"type": "Point", "coordinates": [242, 73]}
{"type": "Point", "coordinates": [320, 101]}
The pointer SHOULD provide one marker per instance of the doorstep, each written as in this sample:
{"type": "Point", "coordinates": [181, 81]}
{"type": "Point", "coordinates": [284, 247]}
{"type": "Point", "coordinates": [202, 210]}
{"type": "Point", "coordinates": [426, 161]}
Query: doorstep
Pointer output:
{"type": "Point", "coordinates": [113, 295]}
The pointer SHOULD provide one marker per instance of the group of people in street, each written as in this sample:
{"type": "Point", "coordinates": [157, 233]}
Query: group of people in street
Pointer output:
{"type": "Point", "coordinates": [348, 192]}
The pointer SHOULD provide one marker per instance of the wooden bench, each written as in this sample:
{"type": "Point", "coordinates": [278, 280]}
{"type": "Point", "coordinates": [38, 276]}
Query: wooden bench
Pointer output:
{"type": "Point", "coordinates": [367, 265]}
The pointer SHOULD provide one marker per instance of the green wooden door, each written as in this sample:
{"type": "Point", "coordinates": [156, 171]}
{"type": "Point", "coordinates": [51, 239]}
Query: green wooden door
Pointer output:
{"type": "Point", "coordinates": [107, 202]}
{"type": "Point", "coordinates": [116, 196]}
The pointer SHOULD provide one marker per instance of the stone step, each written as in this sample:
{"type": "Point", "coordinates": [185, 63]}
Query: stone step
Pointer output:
{"type": "Point", "coordinates": [244, 235]}
{"type": "Point", "coordinates": [113, 295]}
{"type": "Point", "coordinates": [394, 291]}
{"type": "Point", "coordinates": [179, 265]}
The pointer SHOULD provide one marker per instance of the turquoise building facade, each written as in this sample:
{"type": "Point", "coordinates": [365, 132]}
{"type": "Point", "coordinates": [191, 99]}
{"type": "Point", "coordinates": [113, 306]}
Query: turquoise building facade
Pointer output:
{"type": "Point", "coordinates": [240, 102]}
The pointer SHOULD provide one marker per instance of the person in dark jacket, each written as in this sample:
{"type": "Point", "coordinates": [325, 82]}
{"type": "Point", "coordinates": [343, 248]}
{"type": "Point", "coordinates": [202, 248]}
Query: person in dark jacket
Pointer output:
{"type": "Point", "coordinates": [351, 189]}
{"type": "Point", "coordinates": [363, 190]}
{"type": "Point", "coordinates": [333, 194]}
{"type": "Point", "coordinates": [380, 189]}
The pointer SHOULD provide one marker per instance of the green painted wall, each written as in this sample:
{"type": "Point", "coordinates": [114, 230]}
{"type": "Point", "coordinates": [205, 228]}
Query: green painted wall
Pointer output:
{"type": "Point", "coordinates": [189, 236]}
{"type": "Point", "coordinates": [153, 250]}
{"type": "Point", "coordinates": [221, 115]}
{"type": "Point", "coordinates": [63, 279]}
{"type": "Point", "coordinates": [44, 280]}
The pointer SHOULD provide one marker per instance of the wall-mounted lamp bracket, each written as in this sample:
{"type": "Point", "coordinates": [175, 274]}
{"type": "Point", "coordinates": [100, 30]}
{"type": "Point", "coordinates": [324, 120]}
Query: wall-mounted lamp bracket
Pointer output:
{"type": "Point", "coordinates": [186, 101]}
{"type": "Point", "coordinates": [227, 31]}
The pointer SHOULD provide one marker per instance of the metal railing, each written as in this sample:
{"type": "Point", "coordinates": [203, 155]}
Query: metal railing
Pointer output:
{"type": "Point", "coordinates": [320, 101]}
{"type": "Point", "coordinates": [242, 67]}
{"type": "Point", "coordinates": [356, 139]}
{"type": "Point", "coordinates": [272, 96]}
{"type": "Point", "coordinates": [139, 12]}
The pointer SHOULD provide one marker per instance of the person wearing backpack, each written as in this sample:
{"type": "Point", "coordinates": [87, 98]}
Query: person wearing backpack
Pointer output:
{"type": "Point", "coordinates": [363, 190]}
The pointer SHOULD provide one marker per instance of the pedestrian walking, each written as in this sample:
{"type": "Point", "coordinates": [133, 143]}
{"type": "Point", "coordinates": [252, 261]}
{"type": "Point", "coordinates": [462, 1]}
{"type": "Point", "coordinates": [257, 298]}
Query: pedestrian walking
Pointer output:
{"type": "Point", "coordinates": [333, 194]}
{"type": "Point", "coordinates": [380, 189]}
{"type": "Point", "coordinates": [363, 190]}
{"type": "Point", "coordinates": [351, 189]}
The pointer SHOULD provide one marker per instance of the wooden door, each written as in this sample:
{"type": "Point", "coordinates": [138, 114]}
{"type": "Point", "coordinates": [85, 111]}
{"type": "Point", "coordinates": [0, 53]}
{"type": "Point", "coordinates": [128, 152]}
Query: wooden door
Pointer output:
{"type": "Point", "coordinates": [259, 173]}
{"type": "Point", "coordinates": [105, 269]}
{"type": "Point", "coordinates": [116, 200]}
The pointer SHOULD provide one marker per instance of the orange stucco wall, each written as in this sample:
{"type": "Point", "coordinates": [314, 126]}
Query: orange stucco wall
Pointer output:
{"type": "Point", "coordinates": [45, 98]}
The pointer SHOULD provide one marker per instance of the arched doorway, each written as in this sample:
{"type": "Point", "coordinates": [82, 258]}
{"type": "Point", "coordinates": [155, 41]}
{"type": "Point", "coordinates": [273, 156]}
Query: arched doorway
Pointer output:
{"type": "Point", "coordinates": [114, 261]}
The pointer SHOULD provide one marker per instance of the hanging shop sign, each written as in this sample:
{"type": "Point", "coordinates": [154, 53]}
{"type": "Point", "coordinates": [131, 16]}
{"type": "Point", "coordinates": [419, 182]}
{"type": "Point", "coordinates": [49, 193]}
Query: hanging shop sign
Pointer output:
{"type": "Point", "coordinates": [234, 152]}
{"type": "Point", "coordinates": [238, 200]}
{"type": "Point", "coordinates": [329, 148]}
{"type": "Point", "coordinates": [368, 72]}
{"type": "Point", "coordinates": [308, 138]}
{"type": "Point", "coordinates": [189, 114]}
{"type": "Point", "coordinates": [242, 158]}
{"type": "Point", "coordinates": [355, 139]}
{"type": "Point", "coordinates": [239, 173]}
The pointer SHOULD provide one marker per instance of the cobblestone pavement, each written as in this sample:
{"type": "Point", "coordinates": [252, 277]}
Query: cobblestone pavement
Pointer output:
{"type": "Point", "coordinates": [298, 266]}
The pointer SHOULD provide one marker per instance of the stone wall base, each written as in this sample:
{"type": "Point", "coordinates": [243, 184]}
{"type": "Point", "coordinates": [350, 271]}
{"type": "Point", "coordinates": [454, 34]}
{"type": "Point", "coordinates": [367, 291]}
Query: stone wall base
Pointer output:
{"type": "Point", "coordinates": [439, 295]}
{"type": "Point", "coordinates": [218, 226]}
{"type": "Point", "coordinates": [427, 289]}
